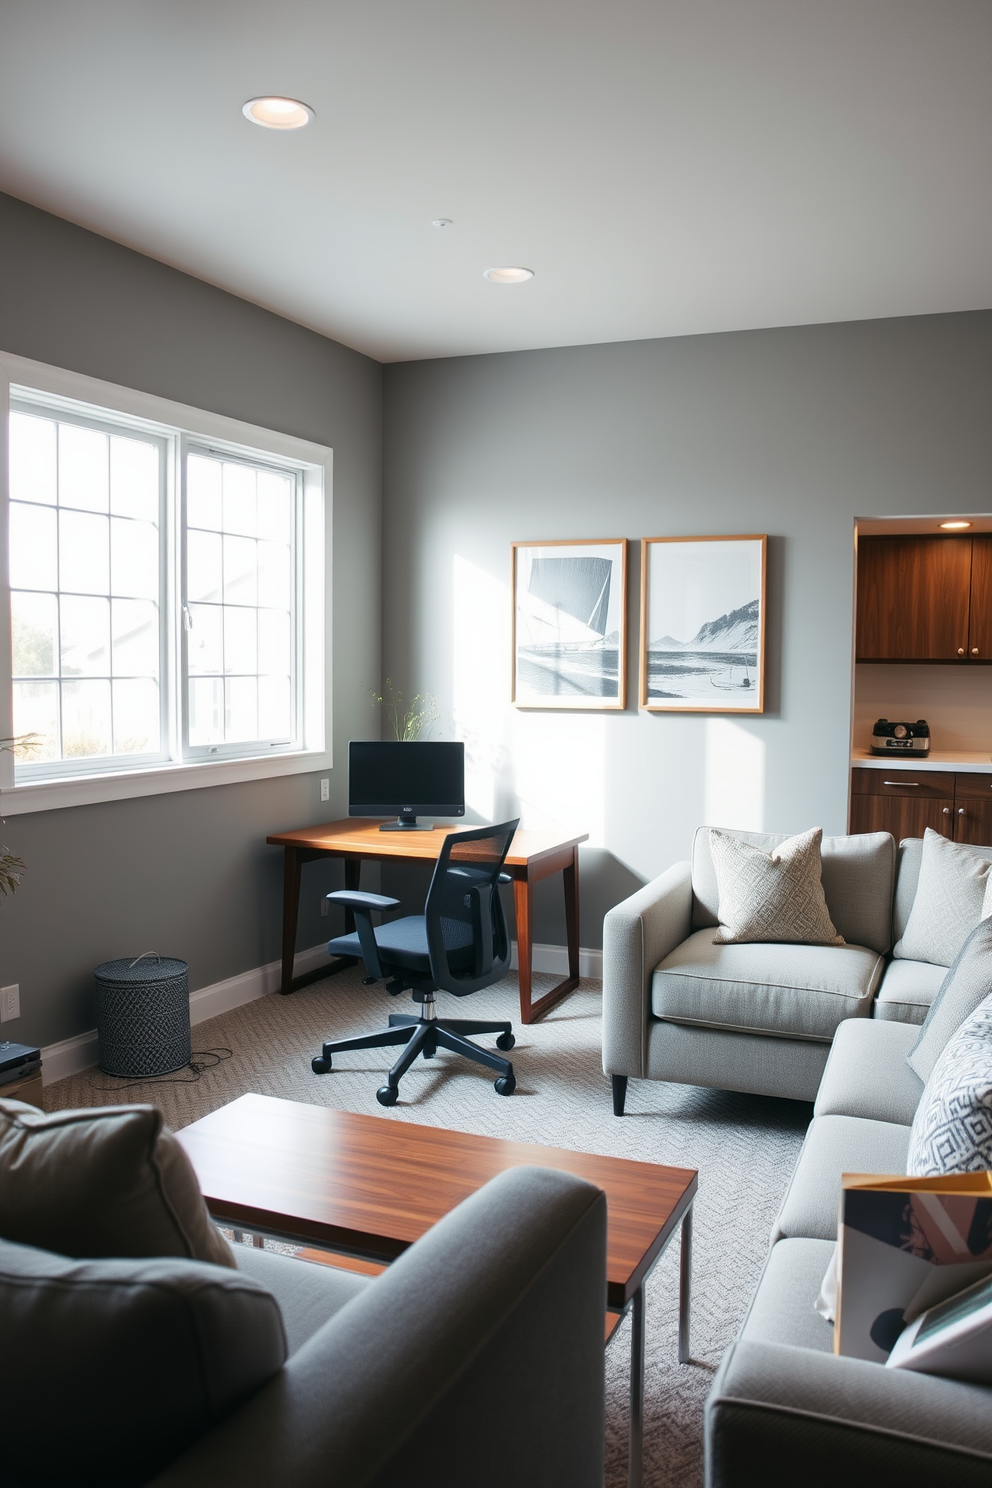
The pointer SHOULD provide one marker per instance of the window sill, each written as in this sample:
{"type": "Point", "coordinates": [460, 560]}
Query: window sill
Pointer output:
{"type": "Point", "coordinates": [88, 790]}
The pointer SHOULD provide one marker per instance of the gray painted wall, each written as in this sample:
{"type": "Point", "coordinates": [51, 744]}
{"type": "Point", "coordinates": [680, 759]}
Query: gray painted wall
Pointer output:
{"type": "Point", "coordinates": [792, 432]}
{"type": "Point", "coordinates": [186, 874]}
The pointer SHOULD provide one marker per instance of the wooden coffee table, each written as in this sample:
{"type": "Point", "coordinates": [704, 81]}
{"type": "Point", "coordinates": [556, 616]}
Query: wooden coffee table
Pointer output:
{"type": "Point", "coordinates": [369, 1186]}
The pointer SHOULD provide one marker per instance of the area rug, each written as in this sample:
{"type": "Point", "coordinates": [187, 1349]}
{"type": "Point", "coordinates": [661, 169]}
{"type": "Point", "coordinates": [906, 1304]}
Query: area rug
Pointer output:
{"type": "Point", "coordinates": [744, 1147]}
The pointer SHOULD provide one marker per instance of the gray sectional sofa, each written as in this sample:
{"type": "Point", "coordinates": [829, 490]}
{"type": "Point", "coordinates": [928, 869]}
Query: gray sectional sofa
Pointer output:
{"type": "Point", "coordinates": [783, 1408]}
{"type": "Point", "coordinates": [759, 1017]}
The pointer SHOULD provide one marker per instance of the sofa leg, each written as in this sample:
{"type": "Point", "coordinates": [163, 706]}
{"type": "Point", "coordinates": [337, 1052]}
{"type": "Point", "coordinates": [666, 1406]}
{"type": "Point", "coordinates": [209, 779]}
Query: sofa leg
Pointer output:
{"type": "Point", "coordinates": [619, 1093]}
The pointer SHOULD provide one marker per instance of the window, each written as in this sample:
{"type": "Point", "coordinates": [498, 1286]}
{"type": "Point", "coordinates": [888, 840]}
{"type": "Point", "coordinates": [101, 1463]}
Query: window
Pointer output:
{"type": "Point", "coordinates": [166, 595]}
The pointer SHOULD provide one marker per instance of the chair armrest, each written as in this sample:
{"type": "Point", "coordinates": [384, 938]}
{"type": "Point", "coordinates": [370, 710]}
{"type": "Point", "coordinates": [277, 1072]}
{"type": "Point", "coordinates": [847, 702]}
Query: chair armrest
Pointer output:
{"type": "Point", "coordinates": [478, 1356]}
{"type": "Point", "coordinates": [637, 934]}
{"type": "Point", "coordinates": [359, 899]}
{"type": "Point", "coordinates": [779, 1415]}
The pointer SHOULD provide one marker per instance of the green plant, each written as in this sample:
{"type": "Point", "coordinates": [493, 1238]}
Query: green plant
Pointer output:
{"type": "Point", "coordinates": [407, 720]}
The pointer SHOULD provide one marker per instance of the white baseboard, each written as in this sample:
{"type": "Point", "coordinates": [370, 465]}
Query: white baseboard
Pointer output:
{"type": "Point", "coordinates": [81, 1052]}
{"type": "Point", "coordinates": [554, 959]}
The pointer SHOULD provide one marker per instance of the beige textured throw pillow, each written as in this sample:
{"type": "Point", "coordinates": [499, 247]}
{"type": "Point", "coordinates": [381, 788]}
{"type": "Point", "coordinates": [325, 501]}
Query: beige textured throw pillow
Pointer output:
{"type": "Point", "coordinates": [951, 898]}
{"type": "Point", "coordinates": [106, 1182]}
{"type": "Point", "coordinates": [771, 896]}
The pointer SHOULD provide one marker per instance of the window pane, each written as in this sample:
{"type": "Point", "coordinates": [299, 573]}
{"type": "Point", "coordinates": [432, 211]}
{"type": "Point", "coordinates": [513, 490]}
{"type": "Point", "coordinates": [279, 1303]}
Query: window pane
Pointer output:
{"type": "Point", "coordinates": [206, 710]}
{"type": "Point", "coordinates": [84, 556]}
{"type": "Point", "coordinates": [85, 719]}
{"type": "Point", "coordinates": [34, 627]}
{"type": "Point", "coordinates": [274, 712]}
{"type": "Point", "coordinates": [203, 501]}
{"type": "Point", "coordinates": [240, 640]}
{"type": "Point", "coordinates": [204, 577]}
{"type": "Point", "coordinates": [32, 459]}
{"type": "Point", "coordinates": [135, 635]}
{"type": "Point", "coordinates": [274, 650]}
{"type": "Point", "coordinates": [137, 728]}
{"type": "Point", "coordinates": [36, 711]}
{"type": "Point", "coordinates": [205, 641]}
{"type": "Point", "coordinates": [274, 575]}
{"type": "Point", "coordinates": [33, 549]}
{"type": "Point", "coordinates": [134, 558]}
{"type": "Point", "coordinates": [134, 478]}
{"type": "Point", "coordinates": [275, 506]}
{"type": "Point", "coordinates": [83, 468]}
{"type": "Point", "coordinates": [240, 571]}
{"type": "Point", "coordinates": [85, 636]}
{"type": "Point", "coordinates": [241, 723]}
{"type": "Point", "coordinates": [239, 499]}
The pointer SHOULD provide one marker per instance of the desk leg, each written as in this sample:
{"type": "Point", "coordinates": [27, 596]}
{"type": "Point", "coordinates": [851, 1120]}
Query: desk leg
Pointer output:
{"type": "Point", "coordinates": [635, 1449]}
{"type": "Point", "coordinates": [292, 871]}
{"type": "Point", "coordinates": [522, 908]}
{"type": "Point", "coordinates": [530, 1011]}
{"type": "Point", "coordinates": [685, 1287]}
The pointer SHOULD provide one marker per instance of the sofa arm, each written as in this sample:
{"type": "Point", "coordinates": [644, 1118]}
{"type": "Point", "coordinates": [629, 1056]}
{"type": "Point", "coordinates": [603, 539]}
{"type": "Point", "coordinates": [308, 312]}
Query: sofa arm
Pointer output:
{"type": "Point", "coordinates": [482, 1345]}
{"type": "Point", "coordinates": [780, 1415]}
{"type": "Point", "coordinates": [637, 934]}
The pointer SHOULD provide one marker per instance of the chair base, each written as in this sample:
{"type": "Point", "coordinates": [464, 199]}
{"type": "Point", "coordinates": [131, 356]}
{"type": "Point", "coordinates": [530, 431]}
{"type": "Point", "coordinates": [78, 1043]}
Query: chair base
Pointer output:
{"type": "Point", "coordinates": [425, 1036]}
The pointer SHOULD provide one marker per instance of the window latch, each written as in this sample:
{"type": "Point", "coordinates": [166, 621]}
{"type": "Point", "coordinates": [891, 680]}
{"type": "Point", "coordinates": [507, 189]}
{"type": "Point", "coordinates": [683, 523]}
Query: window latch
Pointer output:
{"type": "Point", "coordinates": [187, 617]}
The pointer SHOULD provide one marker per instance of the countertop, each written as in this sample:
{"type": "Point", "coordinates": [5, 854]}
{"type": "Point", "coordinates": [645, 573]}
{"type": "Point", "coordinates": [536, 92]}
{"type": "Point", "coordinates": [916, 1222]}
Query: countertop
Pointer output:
{"type": "Point", "coordinates": [961, 763]}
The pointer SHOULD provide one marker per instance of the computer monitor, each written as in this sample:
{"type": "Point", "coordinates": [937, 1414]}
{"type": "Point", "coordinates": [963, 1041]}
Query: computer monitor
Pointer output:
{"type": "Point", "coordinates": [386, 778]}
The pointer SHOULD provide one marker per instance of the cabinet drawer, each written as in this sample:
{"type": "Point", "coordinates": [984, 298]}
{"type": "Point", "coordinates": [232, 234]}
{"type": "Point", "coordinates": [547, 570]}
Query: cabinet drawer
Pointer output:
{"type": "Point", "coordinates": [931, 785]}
{"type": "Point", "coordinates": [972, 787]}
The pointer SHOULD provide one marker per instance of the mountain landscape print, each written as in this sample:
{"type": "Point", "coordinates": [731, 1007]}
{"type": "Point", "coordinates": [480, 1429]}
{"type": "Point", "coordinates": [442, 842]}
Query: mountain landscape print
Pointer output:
{"type": "Point", "coordinates": [703, 624]}
{"type": "Point", "coordinates": [568, 613]}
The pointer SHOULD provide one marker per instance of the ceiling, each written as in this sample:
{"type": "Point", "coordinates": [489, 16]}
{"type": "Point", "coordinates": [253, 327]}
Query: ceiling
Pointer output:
{"type": "Point", "coordinates": [666, 167]}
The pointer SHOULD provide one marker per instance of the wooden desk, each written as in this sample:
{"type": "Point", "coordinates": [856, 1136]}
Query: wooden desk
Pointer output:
{"type": "Point", "coordinates": [532, 856]}
{"type": "Point", "coordinates": [369, 1186]}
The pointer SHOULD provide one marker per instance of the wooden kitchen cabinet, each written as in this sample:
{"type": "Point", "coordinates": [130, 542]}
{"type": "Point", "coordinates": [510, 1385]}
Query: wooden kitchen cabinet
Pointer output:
{"type": "Point", "coordinates": [906, 802]}
{"type": "Point", "coordinates": [925, 599]}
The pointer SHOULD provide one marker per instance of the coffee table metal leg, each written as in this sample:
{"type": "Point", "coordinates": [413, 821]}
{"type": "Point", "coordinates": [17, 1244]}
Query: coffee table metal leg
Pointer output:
{"type": "Point", "coordinates": [636, 1444]}
{"type": "Point", "coordinates": [685, 1287]}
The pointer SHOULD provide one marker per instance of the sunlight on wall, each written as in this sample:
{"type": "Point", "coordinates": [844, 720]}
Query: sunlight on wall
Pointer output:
{"type": "Point", "coordinates": [735, 777]}
{"type": "Point", "coordinates": [546, 768]}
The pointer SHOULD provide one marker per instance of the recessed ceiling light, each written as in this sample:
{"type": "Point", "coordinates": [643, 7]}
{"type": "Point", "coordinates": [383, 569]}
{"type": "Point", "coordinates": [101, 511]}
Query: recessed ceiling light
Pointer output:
{"type": "Point", "coordinates": [507, 276]}
{"type": "Point", "coordinates": [278, 113]}
{"type": "Point", "coordinates": [954, 526]}
{"type": "Point", "coordinates": [442, 222]}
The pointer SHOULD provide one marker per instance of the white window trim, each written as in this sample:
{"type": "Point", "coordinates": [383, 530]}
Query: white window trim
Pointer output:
{"type": "Point", "coordinates": [83, 790]}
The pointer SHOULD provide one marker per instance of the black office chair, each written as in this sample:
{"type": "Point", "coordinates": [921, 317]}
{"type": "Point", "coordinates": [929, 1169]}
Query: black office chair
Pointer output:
{"type": "Point", "coordinates": [459, 944]}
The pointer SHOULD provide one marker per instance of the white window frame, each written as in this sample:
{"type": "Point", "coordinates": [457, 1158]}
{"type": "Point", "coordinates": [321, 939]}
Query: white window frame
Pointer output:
{"type": "Point", "coordinates": [120, 781]}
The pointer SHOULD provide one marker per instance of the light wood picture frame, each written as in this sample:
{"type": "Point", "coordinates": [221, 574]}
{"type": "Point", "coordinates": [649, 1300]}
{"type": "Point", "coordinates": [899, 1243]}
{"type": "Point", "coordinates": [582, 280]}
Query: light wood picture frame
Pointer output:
{"type": "Point", "coordinates": [569, 623]}
{"type": "Point", "coordinates": [703, 624]}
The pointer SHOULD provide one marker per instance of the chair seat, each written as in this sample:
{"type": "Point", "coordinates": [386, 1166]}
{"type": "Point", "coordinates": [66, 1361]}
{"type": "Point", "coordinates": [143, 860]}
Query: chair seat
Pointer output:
{"type": "Point", "coordinates": [404, 943]}
{"type": "Point", "coordinates": [792, 991]}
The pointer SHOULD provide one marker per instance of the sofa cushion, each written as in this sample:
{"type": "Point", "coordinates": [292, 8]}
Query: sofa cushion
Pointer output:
{"type": "Point", "coordinates": [782, 1310]}
{"type": "Point", "coordinates": [106, 1182]}
{"type": "Point", "coordinates": [952, 1131]}
{"type": "Point", "coordinates": [857, 875]}
{"type": "Point", "coordinates": [950, 893]}
{"type": "Point", "coordinates": [795, 991]}
{"type": "Point", "coordinates": [835, 1145]}
{"type": "Point", "coordinates": [907, 991]}
{"type": "Point", "coordinates": [111, 1368]}
{"type": "Point", "coordinates": [308, 1292]}
{"type": "Point", "coordinates": [867, 1074]}
{"type": "Point", "coordinates": [771, 896]}
{"type": "Point", "coordinates": [964, 988]}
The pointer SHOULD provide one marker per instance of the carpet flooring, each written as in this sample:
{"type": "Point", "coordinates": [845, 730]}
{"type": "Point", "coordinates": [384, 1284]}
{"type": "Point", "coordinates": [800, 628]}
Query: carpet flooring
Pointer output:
{"type": "Point", "coordinates": [744, 1147]}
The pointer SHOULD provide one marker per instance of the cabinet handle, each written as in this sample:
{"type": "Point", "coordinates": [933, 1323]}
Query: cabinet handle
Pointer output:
{"type": "Point", "coordinates": [960, 650]}
{"type": "Point", "coordinates": [915, 783]}
{"type": "Point", "coordinates": [974, 650]}
{"type": "Point", "coordinates": [961, 811]}
{"type": "Point", "coordinates": [947, 810]}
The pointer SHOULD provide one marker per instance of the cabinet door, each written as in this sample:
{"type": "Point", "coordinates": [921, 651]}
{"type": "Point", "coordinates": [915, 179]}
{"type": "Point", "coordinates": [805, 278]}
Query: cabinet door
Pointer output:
{"type": "Point", "coordinates": [980, 624]}
{"type": "Point", "coordinates": [973, 809]}
{"type": "Point", "coordinates": [913, 598]}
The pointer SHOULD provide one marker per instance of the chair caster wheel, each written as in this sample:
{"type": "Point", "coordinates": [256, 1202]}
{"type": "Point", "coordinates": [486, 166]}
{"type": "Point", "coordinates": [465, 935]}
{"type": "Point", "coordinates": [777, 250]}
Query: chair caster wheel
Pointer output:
{"type": "Point", "coordinates": [505, 1041]}
{"type": "Point", "coordinates": [320, 1065]}
{"type": "Point", "coordinates": [505, 1085]}
{"type": "Point", "coordinates": [387, 1095]}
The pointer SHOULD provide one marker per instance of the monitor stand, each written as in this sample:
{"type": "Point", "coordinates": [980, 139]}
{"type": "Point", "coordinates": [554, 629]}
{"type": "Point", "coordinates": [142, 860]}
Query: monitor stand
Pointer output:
{"type": "Point", "coordinates": [406, 824]}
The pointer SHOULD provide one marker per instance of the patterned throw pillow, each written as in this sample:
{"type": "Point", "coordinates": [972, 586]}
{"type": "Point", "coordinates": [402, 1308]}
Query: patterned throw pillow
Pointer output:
{"type": "Point", "coordinates": [950, 900]}
{"type": "Point", "coordinates": [952, 1129]}
{"type": "Point", "coordinates": [775, 896]}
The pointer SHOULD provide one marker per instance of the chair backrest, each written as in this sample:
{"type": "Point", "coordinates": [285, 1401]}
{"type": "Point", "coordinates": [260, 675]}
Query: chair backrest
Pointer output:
{"type": "Point", "coordinates": [466, 929]}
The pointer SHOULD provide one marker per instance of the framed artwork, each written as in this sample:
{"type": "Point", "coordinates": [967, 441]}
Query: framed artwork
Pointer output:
{"type": "Point", "coordinates": [703, 624]}
{"type": "Point", "coordinates": [570, 624]}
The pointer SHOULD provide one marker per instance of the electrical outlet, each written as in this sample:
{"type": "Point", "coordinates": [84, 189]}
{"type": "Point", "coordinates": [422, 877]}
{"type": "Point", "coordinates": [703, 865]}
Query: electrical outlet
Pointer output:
{"type": "Point", "coordinates": [10, 1002]}
{"type": "Point", "coordinates": [325, 908]}
{"type": "Point", "coordinates": [325, 795]}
